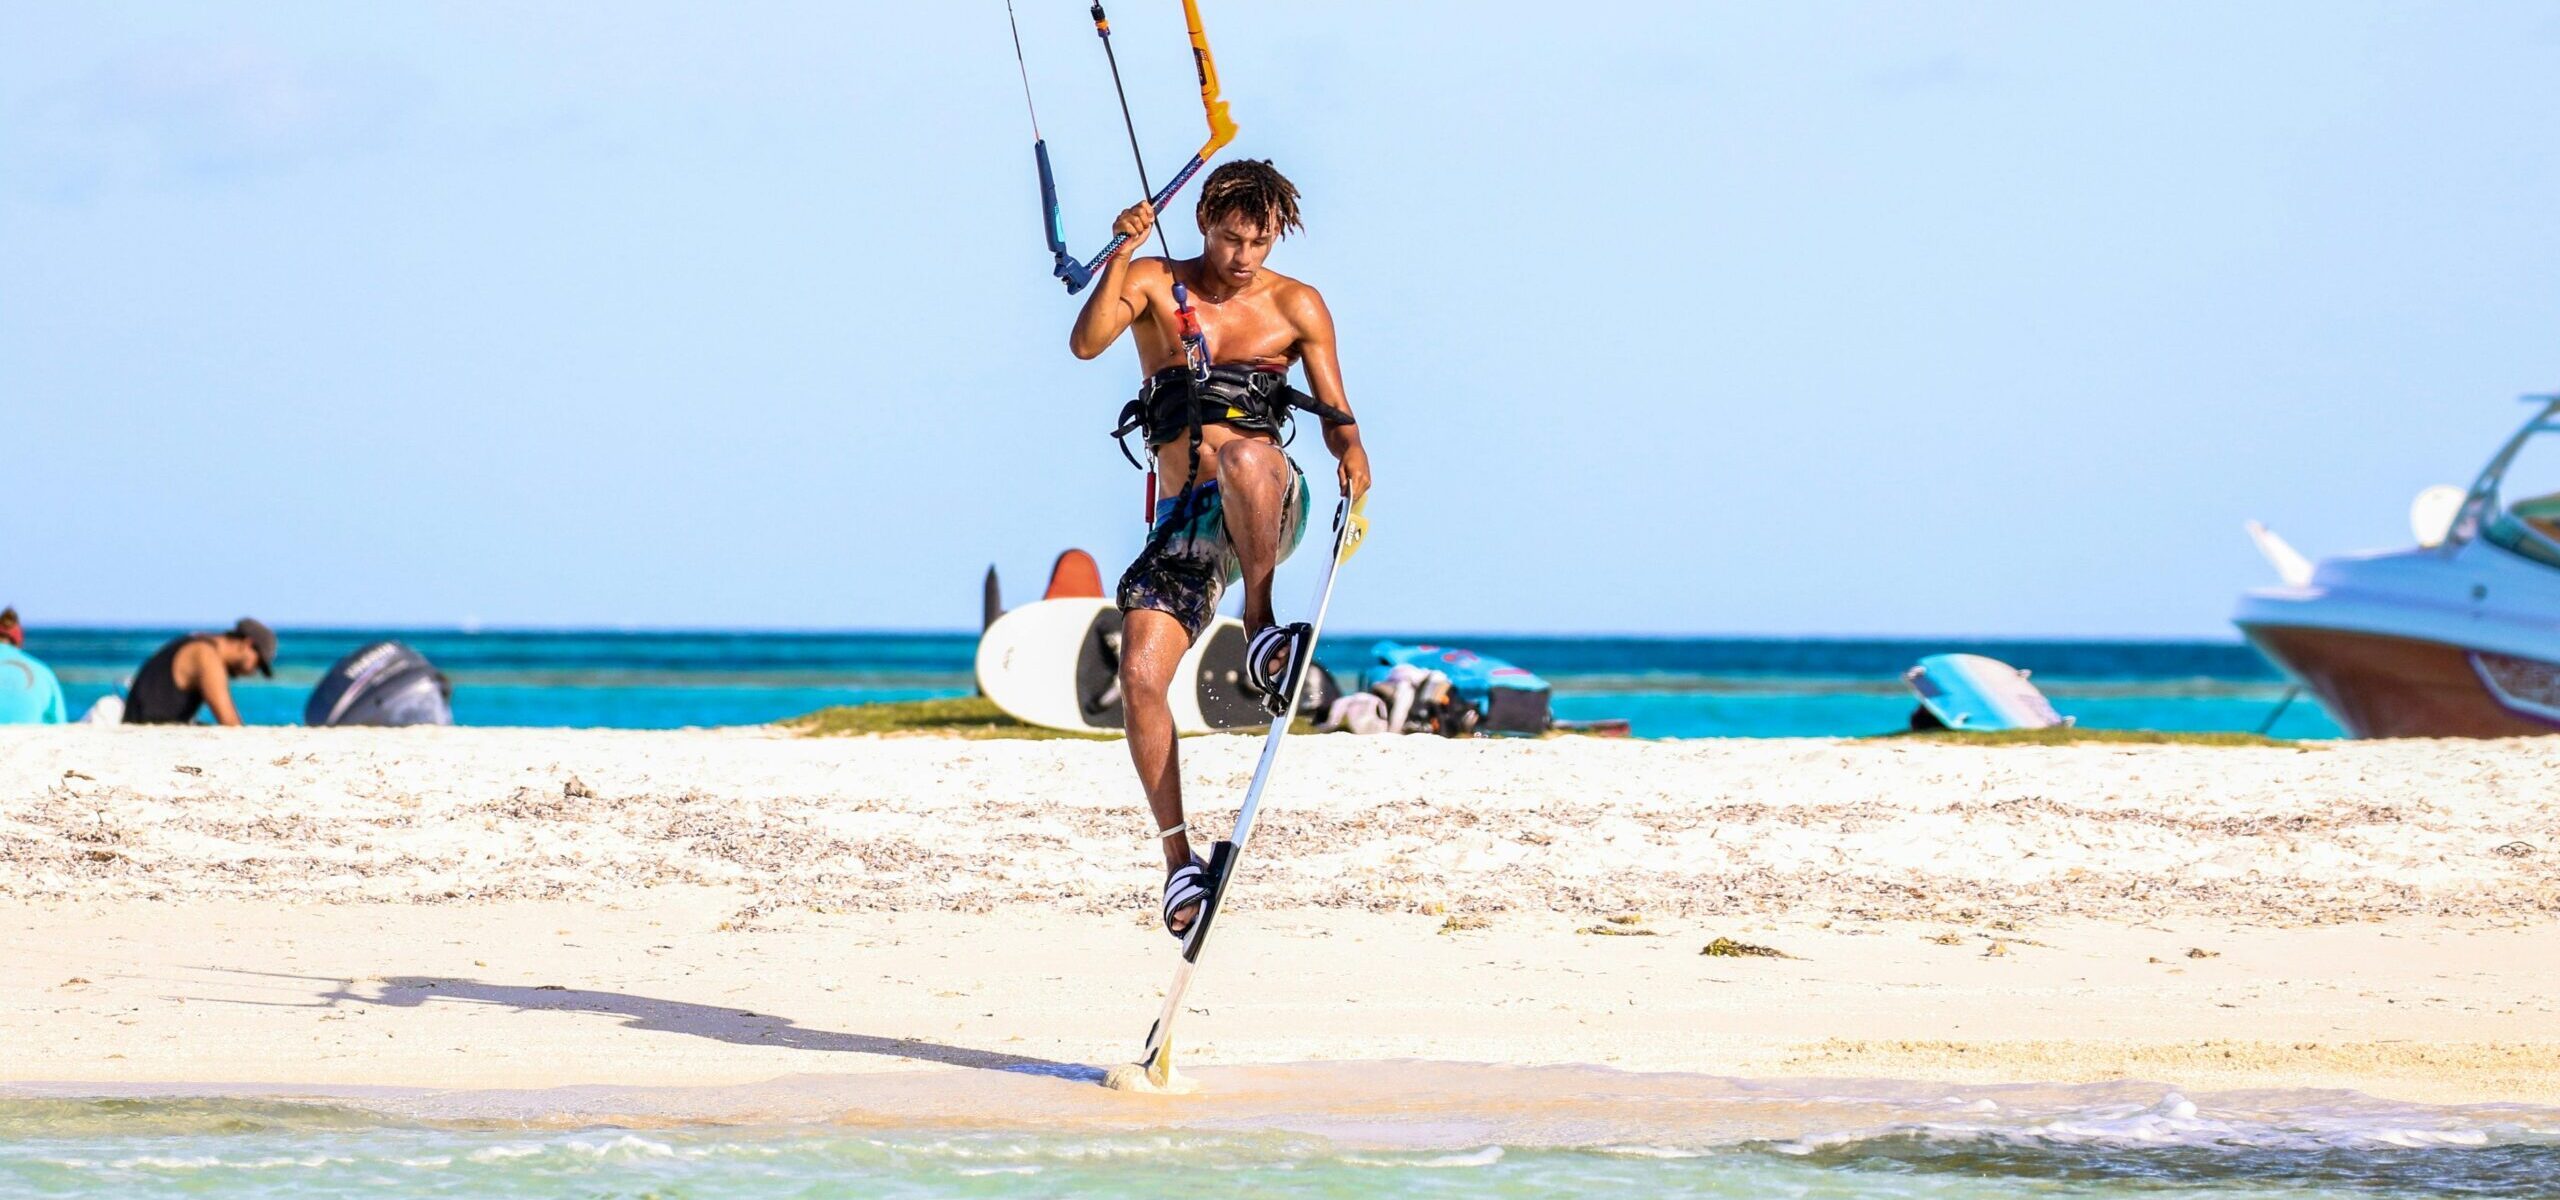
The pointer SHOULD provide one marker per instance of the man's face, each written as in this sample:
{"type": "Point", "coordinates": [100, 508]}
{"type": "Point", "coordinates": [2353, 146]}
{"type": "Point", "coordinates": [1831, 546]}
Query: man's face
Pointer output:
{"type": "Point", "coordinates": [1233, 249]}
{"type": "Point", "coordinates": [239, 657]}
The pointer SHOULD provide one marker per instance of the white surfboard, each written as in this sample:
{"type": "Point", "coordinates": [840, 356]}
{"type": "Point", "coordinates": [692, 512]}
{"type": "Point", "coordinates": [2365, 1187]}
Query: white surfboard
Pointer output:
{"type": "Point", "coordinates": [1056, 663]}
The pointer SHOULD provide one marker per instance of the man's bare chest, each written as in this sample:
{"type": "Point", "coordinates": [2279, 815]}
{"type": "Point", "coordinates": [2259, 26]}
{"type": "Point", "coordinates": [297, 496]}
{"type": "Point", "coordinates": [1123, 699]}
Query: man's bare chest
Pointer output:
{"type": "Point", "coordinates": [1246, 329]}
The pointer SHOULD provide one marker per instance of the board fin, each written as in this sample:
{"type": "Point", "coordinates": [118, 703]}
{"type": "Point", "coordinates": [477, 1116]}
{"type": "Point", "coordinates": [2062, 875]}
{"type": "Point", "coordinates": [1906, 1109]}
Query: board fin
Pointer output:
{"type": "Point", "coordinates": [1074, 577]}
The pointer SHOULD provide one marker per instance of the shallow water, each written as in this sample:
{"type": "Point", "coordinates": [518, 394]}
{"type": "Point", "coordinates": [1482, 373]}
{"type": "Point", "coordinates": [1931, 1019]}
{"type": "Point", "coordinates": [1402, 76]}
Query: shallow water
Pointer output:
{"type": "Point", "coordinates": [1377, 1129]}
{"type": "Point", "coordinates": [1667, 686]}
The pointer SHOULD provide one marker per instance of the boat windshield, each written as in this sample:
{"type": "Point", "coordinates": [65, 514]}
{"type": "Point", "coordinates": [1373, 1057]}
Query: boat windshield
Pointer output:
{"type": "Point", "coordinates": [2516, 503]}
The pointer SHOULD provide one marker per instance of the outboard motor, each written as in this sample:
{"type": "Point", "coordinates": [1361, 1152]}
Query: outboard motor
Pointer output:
{"type": "Point", "coordinates": [385, 683]}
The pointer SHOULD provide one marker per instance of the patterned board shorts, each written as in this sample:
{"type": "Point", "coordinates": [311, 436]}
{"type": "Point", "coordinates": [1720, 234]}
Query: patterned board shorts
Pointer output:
{"type": "Point", "coordinates": [1188, 563]}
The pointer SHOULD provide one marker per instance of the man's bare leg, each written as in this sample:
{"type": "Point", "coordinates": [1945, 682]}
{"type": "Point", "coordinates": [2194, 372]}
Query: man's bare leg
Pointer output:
{"type": "Point", "coordinates": [1253, 483]}
{"type": "Point", "coordinates": [1151, 648]}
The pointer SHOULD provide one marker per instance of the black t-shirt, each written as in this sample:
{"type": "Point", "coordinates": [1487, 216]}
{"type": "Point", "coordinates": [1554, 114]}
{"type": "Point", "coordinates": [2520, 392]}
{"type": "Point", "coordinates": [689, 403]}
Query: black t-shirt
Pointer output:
{"type": "Point", "coordinates": [155, 697]}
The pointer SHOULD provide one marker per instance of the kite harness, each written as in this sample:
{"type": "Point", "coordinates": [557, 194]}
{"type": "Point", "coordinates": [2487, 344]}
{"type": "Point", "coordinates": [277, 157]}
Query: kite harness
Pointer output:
{"type": "Point", "coordinates": [1175, 400]}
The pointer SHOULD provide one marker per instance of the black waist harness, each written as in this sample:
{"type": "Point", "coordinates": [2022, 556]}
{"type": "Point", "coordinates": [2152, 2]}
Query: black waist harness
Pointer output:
{"type": "Point", "coordinates": [1174, 401]}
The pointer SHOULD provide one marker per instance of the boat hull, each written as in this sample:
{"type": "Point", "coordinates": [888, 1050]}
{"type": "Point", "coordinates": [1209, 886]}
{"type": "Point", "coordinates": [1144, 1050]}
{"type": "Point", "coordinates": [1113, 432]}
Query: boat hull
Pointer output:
{"type": "Point", "coordinates": [2381, 686]}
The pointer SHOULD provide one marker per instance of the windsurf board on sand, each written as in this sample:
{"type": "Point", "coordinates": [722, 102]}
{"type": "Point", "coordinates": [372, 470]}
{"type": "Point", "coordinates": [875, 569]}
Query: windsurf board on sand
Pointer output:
{"type": "Point", "coordinates": [1073, 576]}
{"type": "Point", "coordinates": [1056, 664]}
{"type": "Point", "coordinates": [1154, 1069]}
{"type": "Point", "coordinates": [1969, 691]}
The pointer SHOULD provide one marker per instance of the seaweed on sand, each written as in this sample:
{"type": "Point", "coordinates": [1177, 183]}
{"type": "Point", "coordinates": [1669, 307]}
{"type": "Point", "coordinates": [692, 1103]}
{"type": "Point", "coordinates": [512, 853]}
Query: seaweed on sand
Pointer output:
{"type": "Point", "coordinates": [974, 717]}
{"type": "Point", "coordinates": [2072, 736]}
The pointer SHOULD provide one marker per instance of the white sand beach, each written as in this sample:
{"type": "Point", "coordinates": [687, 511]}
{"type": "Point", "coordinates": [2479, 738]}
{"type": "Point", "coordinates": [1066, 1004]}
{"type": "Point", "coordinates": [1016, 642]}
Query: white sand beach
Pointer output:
{"type": "Point", "coordinates": [465, 908]}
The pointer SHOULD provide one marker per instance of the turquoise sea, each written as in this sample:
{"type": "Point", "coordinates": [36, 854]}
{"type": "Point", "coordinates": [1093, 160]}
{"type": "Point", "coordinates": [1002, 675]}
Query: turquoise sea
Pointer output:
{"type": "Point", "coordinates": [1668, 686]}
{"type": "Point", "coordinates": [1601, 1135]}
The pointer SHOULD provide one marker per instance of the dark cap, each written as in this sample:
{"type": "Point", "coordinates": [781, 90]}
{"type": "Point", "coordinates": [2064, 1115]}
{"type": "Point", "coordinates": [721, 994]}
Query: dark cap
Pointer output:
{"type": "Point", "coordinates": [260, 639]}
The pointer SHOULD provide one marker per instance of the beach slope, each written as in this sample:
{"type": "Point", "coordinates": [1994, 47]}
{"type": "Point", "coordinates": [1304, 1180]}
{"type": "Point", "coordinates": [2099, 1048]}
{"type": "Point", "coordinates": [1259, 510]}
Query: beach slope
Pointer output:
{"type": "Point", "coordinates": [456, 908]}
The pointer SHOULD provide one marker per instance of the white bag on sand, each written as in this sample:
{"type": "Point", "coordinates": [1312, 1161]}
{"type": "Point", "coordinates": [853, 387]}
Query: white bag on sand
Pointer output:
{"type": "Point", "coordinates": [1359, 712]}
{"type": "Point", "coordinates": [109, 710]}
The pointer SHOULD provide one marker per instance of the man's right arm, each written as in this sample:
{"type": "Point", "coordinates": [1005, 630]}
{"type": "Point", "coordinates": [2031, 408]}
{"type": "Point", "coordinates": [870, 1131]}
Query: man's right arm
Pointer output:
{"type": "Point", "coordinates": [1117, 296]}
{"type": "Point", "coordinates": [200, 667]}
{"type": "Point", "coordinates": [217, 696]}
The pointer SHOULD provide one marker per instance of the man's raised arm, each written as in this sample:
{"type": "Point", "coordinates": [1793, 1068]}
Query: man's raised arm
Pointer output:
{"type": "Point", "coordinates": [1117, 297]}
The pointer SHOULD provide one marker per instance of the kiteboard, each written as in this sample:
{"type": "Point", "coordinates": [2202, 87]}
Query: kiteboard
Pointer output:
{"type": "Point", "coordinates": [1350, 528]}
{"type": "Point", "coordinates": [1969, 691]}
{"type": "Point", "coordinates": [1056, 664]}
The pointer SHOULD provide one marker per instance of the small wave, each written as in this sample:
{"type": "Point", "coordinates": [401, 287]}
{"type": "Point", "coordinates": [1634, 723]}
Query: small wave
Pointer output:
{"type": "Point", "coordinates": [1485, 1157]}
{"type": "Point", "coordinates": [163, 1162]}
{"type": "Point", "coordinates": [2366, 1145]}
{"type": "Point", "coordinates": [2174, 1120]}
{"type": "Point", "coordinates": [492, 1154]}
{"type": "Point", "coordinates": [628, 1145]}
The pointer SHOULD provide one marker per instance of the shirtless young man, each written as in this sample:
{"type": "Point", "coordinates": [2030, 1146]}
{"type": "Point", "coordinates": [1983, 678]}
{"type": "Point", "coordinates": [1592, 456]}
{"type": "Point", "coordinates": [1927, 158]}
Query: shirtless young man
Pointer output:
{"type": "Point", "coordinates": [1229, 502]}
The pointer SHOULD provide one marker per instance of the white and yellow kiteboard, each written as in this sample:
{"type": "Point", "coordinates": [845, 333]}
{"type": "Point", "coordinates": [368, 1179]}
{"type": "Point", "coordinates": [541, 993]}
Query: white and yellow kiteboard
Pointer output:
{"type": "Point", "coordinates": [1350, 528]}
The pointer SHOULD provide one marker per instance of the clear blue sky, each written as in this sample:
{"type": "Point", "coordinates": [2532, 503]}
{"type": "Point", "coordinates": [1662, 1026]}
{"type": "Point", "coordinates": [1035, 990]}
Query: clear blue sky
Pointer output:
{"type": "Point", "coordinates": [1802, 318]}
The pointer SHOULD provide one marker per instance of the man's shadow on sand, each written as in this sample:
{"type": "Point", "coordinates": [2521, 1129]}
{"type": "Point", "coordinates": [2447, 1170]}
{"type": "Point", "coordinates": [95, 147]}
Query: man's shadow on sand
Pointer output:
{"type": "Point", "coordinates": [733, 1025]}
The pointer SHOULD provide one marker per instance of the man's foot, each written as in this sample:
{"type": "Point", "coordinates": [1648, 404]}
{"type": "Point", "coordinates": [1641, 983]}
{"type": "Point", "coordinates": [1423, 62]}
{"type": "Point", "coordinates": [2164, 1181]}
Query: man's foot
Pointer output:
{"type": "Point", "coordinates": [1270, 666]}
{"type": "Point", "coordinates": [1184, 892]}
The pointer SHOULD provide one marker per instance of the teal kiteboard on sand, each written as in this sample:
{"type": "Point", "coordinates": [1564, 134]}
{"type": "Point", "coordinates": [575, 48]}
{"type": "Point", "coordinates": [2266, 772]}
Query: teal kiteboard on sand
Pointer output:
{"type": "Point", "coordinates": [1969, 691]}
{"type": "Point", "coordinates": [1350, 528]}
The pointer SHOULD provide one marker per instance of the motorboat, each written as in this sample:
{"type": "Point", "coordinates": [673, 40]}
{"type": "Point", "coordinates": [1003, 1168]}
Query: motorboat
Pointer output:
{"type": "Point", "coordinates": [2458, 636]}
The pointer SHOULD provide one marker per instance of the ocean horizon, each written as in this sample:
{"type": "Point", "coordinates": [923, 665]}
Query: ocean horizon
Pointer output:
{"type": "Point", "coordinates": [1664, 685]}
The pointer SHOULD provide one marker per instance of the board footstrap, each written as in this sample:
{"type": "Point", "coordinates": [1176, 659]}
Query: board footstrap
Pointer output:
{"type": "Point", "coordinates": [1222, 859]}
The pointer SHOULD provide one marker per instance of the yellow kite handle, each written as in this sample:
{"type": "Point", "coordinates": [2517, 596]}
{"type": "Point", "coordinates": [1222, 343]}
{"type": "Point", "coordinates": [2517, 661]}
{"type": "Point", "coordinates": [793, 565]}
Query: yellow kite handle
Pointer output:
{"type": "Point", "coordinates": [1222, 129]}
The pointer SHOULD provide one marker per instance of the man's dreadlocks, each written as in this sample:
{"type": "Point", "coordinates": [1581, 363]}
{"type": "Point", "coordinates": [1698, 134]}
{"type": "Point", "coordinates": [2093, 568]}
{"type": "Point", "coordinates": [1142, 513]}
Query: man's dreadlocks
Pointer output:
{"type": "Point", "coordinates": [1253, 189]}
